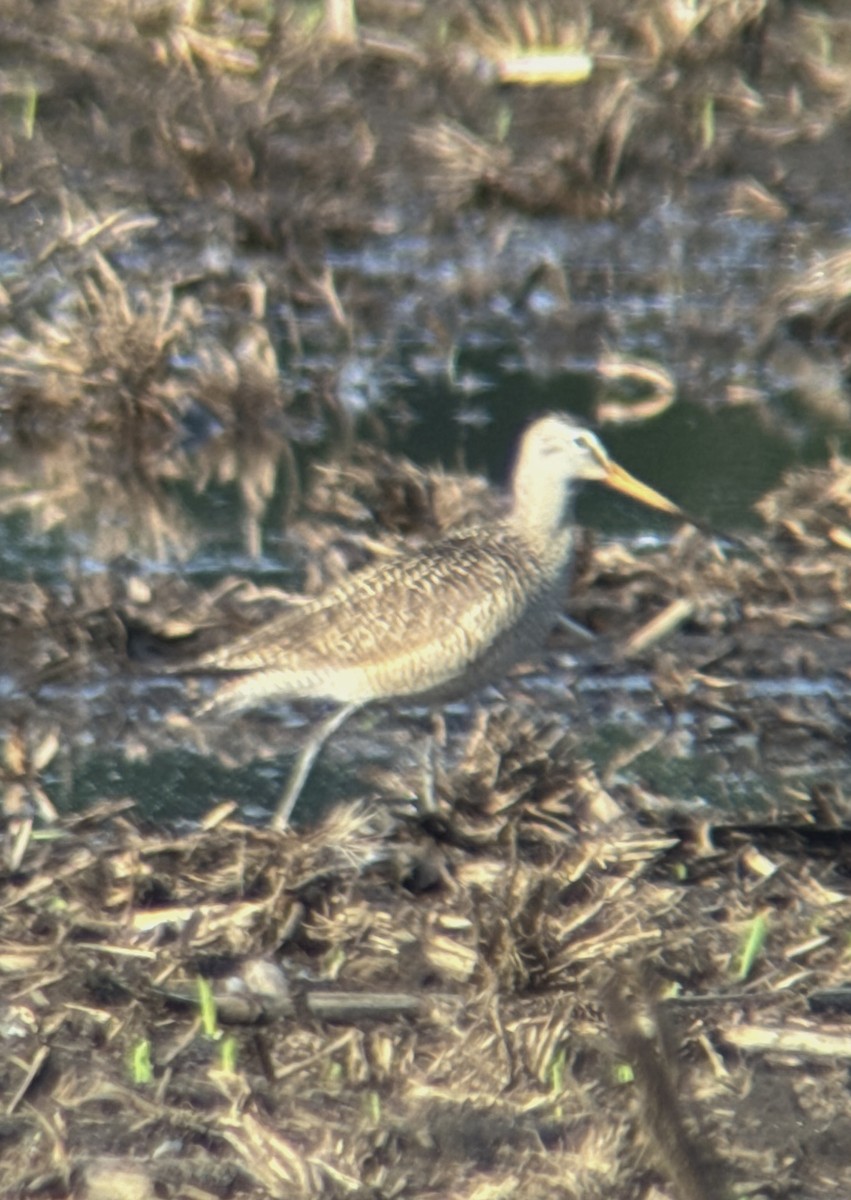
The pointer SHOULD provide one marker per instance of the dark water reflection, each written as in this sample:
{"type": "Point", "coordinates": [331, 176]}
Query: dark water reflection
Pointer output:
{"type": "Point", "coordinates": [715, 462]}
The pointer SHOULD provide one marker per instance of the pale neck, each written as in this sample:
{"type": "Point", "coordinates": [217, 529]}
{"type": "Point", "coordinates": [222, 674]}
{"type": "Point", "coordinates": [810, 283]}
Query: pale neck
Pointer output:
{"type": "Point", "coordinates": [541, 513]}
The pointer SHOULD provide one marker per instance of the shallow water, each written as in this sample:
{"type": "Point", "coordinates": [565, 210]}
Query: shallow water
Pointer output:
{"type": "Point", "coordinates": [472, 336]}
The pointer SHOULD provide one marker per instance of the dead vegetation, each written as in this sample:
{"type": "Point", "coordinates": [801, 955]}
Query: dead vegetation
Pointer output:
{"type": "Point", "coordinates": [409, 1009]}
{"type": "Point", "coordinates": [578, 978]}
{"type": "Point", "coordinates": [175, 178]}
{"type": "Point", "coordinates": [446, 1005]}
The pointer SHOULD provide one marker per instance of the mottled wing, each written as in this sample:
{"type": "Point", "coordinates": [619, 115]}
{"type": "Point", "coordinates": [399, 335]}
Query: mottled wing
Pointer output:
{"type": "Point", "coordinates": [403, 626]}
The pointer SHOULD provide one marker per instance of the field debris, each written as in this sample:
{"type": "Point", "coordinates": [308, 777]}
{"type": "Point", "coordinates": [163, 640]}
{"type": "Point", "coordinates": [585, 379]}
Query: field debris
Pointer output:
{"type": "Point", "coordinates": [242, 243]}
{"type": "Point", "coordinates": [400, 1004]}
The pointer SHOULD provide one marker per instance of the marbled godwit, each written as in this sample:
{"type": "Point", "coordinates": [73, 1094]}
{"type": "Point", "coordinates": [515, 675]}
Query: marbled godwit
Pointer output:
{"type": "Point", "coordinates": [438, 623]}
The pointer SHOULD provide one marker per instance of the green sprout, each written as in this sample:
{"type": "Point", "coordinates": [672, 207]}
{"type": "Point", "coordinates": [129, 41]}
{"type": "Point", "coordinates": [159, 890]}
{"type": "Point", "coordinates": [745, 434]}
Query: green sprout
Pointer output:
{"type": "Point", "coordinates": [141, 1067]}
{"type": "Point", "coordinates": [227, 1055]}
{"type": "Point", "coordinates": [624, 1073]}
{"type": "Point", "coordinates": [207, 1004]}
{"type": "Point", "coordinates": [557, 1071]}
{"type": "Point", "coordinates": [752, 944]}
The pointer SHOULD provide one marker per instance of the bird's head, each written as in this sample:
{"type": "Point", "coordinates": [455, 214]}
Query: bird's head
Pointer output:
{"type": "Point", "coordinates": [556, 454]}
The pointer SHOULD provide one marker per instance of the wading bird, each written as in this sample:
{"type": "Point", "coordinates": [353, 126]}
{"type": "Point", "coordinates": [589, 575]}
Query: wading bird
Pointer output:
{"type": "Point", "coordinates": [440, 622]}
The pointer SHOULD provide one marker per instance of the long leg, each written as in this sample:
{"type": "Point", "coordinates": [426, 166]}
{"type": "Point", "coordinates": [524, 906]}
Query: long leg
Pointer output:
{"type": "Point", "coordinates": [436, 741]}
{"type": "Point", "coordinates": [305, 760]}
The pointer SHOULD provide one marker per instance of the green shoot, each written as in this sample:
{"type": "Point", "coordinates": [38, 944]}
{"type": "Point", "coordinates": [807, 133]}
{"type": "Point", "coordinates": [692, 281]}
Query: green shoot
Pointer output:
{"type": "Point", "coordinates": [624, 1073]}
{"type": "Point", "coordinates": [752, 945]}
{"type": "Point", "coordinates": [141, 1067]}
{"type": "Point", "coordinates": [207, 1004]}
{"type": "Point", "coordinates": [557, 1071]}
{"type": "Point", "coordinates": [227, 1055]}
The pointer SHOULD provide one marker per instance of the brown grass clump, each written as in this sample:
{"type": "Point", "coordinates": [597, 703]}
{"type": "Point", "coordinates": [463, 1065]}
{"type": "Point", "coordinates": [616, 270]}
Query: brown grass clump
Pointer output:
{"type": "Point", "coordinates": [243, 392]}
{"type": "Point", "coordinates": [98, 412]}
{"type": "Point", "coordinates": [813, 507]}
{"type": "Point", "coordinates": [96, 417]}
{"type": "Point", "coordinates": [817, 303]}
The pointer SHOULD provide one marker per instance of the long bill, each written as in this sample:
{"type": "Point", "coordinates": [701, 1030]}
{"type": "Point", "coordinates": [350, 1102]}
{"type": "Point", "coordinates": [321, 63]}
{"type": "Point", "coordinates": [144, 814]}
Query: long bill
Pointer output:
{"type": "Point", "coordinates": [619, 479]}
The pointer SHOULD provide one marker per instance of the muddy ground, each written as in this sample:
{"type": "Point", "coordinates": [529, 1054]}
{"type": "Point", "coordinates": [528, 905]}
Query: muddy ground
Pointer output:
{"type": "Point", "coordinates": [583, 976]}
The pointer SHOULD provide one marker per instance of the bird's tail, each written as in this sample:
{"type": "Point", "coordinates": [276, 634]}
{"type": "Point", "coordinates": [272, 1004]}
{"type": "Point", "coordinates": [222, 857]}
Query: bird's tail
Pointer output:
{"type": "Point", "coordinates": [241, 691]}
{"type": "Point", "coordinates": [228, 699]}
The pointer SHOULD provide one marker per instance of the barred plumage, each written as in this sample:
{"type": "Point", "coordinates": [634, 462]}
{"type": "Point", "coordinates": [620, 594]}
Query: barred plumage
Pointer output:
{"type": "Point", "coordinates": [442, 621]}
